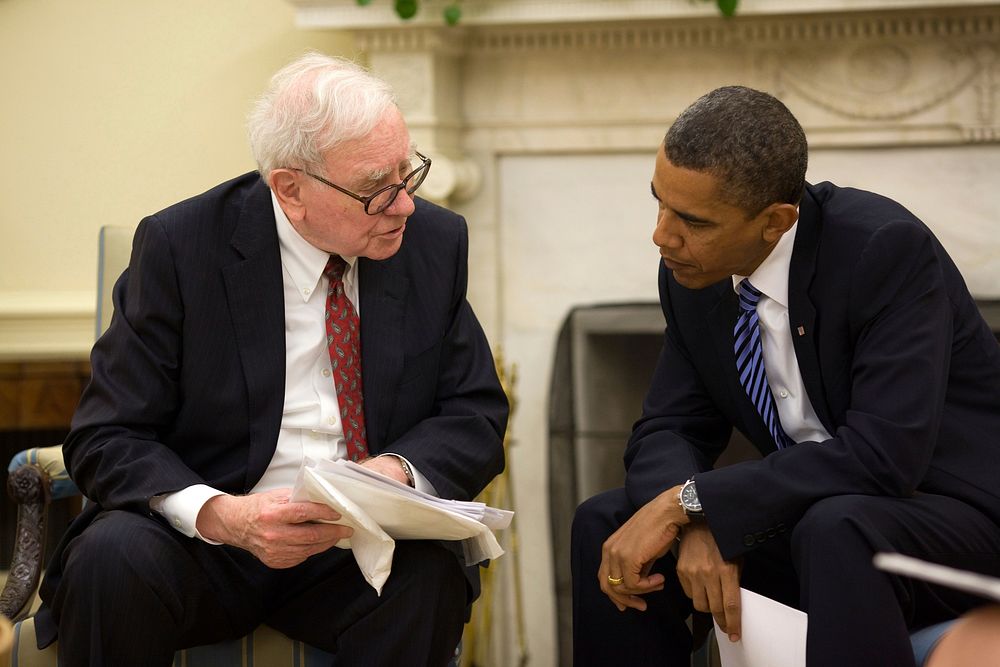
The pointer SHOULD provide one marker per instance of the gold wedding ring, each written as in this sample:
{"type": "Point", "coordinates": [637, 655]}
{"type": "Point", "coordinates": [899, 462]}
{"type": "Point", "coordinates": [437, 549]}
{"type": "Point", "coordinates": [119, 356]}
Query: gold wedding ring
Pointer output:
{"type": "Point", "coordinates": [615, 581]}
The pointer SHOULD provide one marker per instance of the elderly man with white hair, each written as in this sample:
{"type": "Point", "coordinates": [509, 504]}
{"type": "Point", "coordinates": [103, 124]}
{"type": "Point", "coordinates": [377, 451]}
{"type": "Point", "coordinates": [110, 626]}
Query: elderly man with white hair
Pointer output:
{"type": "Point", "coordinates": [314, 308]}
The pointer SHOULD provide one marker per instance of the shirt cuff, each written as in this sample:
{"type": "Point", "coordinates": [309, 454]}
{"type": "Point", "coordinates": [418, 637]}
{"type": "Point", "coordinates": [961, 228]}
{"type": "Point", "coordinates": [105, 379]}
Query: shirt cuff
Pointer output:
{"type": "Point", "coordinates": [181, 508]}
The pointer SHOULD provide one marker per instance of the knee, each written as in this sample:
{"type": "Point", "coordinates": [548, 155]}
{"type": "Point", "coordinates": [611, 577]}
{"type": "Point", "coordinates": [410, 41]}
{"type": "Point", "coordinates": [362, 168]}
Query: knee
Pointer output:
{"type": "Point", "coordinates": [598, 517]}
{"type": "Point", "coordinates": [114, 547]}
{"type": "Point", "coordinates": [830, 523]}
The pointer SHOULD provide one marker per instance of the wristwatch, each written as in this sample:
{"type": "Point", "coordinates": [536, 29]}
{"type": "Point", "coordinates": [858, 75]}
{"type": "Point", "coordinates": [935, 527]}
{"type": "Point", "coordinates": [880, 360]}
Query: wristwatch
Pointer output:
{"type": "Point", "coordinates": [688, 500]}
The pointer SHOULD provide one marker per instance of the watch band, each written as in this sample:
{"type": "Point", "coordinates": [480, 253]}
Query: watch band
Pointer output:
{"type": "Point", "coordinates": [407, 471]}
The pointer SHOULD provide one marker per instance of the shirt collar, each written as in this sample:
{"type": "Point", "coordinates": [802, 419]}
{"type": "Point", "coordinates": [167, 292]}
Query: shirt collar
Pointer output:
{"type": "Point", "coordinates": [304, 263]}
{"type": "Point", "coordinates": [771, 277]}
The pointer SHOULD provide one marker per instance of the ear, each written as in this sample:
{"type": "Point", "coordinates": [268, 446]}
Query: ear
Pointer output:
{"type": "Point", "coordinates": [777, 219]}
{"type": "Point", "coordinates": [286, 188]}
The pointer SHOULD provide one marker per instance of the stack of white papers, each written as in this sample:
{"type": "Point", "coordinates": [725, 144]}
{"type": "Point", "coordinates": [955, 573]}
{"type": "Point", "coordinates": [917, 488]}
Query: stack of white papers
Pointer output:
{"type": "Point", "coordinates": [381, 510]}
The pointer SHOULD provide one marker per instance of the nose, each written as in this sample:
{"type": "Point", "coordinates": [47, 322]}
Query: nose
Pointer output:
{"type": "Point", "coordinates": [402, 205]}
{"type": "Point", "coordinates": [666, 234]}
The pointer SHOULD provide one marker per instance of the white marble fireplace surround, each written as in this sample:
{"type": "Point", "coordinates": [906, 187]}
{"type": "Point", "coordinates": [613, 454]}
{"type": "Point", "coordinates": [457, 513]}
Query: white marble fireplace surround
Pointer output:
{"type": "Point", "coordinates": [543, 118]}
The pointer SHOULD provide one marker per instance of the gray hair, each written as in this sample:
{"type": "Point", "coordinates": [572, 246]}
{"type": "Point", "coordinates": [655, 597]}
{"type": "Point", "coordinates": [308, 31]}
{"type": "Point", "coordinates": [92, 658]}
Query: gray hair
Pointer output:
{"type": "Point", "coordinates": [311, 105]}
{"type": "Point", "coordinates": [748, 140]}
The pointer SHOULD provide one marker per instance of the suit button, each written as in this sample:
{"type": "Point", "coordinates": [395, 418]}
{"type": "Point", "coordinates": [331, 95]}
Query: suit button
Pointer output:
{"type": "Point", "coordinates": [748, 540]}
{"type": "Point", "coordinates": [781, 527]}
{"type": "Point", "coordinates": [772, 533]}
{"type": "Point", "coordinates": [761, 537]}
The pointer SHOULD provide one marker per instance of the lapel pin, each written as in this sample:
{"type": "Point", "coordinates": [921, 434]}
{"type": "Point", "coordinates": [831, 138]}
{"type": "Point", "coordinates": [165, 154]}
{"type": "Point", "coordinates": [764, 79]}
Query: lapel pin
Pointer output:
{"type": "Point", "coordinates": [802, 331]}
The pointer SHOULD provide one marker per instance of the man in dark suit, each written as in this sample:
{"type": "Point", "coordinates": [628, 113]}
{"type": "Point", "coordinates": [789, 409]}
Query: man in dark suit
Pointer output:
{"type": "Point", "coordinates": [233, 355]}
{"type": "Point", "coordinates": [830, 327]}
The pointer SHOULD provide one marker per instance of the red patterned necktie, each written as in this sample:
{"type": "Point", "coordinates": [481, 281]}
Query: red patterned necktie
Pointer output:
{"type": "Point", "coordinates": [343, 337]}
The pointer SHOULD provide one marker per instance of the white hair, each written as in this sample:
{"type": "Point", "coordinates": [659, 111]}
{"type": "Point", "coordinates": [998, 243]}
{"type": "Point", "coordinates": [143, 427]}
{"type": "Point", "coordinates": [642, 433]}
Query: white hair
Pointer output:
{"type": "Point", "coordinates": [311, 105]}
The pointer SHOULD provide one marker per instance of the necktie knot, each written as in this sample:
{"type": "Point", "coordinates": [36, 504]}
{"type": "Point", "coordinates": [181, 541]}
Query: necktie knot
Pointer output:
{"type": "Point", "coordinates": [335, 268]}
{"type": "Point", "coordinates": [749, 295]}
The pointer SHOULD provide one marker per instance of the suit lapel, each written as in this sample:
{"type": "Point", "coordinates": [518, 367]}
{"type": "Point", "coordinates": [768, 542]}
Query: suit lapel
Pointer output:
{"type": "Point", "coordinates": [801, 311]}
{"type": "Point", "coordinates": [383, 289]}
{"type": "Point", "coordinates": [256, 306]}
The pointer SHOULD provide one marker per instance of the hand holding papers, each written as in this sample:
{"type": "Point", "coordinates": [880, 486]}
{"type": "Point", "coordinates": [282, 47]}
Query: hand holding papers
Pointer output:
{"type": "Point", "coordinates": [380, 509]}
{"type": "Point", "coordinates": [773, 635]}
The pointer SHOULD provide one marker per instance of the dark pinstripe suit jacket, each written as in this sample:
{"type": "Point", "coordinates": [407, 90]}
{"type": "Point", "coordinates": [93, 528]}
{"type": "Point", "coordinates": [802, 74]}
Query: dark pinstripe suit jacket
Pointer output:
{"type": "Point", "coordinates": [188, 381]}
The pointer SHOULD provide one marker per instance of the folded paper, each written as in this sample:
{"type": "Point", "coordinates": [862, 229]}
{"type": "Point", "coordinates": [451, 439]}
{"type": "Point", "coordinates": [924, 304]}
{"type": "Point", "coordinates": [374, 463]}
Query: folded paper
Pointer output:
{"type": "Point", "coordinates": [381, 510]}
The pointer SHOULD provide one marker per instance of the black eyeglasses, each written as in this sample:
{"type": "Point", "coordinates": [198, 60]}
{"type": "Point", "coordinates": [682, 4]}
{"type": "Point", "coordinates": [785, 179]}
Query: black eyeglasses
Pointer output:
{"type": "Point", "coordinates": [382, 199]}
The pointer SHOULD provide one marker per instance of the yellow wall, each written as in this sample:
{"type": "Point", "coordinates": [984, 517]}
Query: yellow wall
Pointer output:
{"type": "Point", "coordinates": [110, 110]}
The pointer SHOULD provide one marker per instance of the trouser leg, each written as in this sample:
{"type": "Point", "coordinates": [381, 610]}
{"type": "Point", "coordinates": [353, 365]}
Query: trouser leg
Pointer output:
{"type": "Point", "coordinates": [417, 620]}
{"type": "Point", "coordinates": [134, 590]}
{"type": "Point", "coordinates": [602, 635]}
{"type": "Point", "coordinates": [861, 616]}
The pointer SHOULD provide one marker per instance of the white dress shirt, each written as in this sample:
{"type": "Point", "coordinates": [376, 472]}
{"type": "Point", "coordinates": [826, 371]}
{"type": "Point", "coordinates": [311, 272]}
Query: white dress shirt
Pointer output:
{"type": "Point", "coordinates": [798, 419]}
{"type": "Point", "coordinates": [310, 419]}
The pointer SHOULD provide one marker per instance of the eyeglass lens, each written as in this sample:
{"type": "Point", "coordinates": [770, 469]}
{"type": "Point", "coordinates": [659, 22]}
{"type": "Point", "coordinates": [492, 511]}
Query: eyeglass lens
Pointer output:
{"type": "Point", "coordinates": [383, 200]}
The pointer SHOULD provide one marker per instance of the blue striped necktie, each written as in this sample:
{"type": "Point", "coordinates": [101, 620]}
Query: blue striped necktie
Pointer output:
{"type": "Point", "coordinates": [750, 362]}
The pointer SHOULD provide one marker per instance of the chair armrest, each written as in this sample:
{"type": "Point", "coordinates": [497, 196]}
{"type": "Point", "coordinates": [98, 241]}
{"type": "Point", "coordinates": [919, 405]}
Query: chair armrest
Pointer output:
{"type": "Point", "coordinates": [30, 487]}
{"type": "Point", "coordinates": [50, 460]}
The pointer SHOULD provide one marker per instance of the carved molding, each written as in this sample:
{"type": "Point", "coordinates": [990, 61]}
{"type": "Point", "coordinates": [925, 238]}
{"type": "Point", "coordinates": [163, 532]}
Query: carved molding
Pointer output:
{"type": "Point", "coordinates": [956, 23]}
{"type": "Point", "coordinates": [884, 81]}
{"type": "Point", "coordinates": [924, 76]}
{"type": "Point", "coordinates": [346, 14]}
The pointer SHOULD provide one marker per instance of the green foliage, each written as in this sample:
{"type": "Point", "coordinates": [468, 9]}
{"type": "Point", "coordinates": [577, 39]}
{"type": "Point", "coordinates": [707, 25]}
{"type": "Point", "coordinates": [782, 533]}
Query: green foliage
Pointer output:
{"type": "Point", "coordinates": [407, 9]}
{"type": "Point", "coordinates": [452, 14]}
{"type": "Point", "coordinates": [727, 7]}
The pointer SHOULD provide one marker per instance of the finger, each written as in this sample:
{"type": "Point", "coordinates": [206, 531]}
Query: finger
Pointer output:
{"type": "Point", "coordinates": [614, 591]}
{"type": "Point", "coordinates": [699, 599]}
{"type": "Point", "coordinates": [609, 572]}
{"type": "Point", "coordinates": [653, 582]}
{"type": "Point", "coordinates": [304, 512]}
{"type": "Point", "coordinates": [713, 593]}
{"type": "Point", "coordinates": [731, 605]}
{"type": "Point", "coordinates": [624, 601]}
{"type": "Point", "coordinates": [305, 535]}
{"type": "Point", "coordinates": [283, 553]}
{"type": "Point", "coordinates": [319, 533]}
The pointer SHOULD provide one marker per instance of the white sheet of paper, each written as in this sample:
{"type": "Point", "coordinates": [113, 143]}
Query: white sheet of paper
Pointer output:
{"type": "Point", "coordinates": [773, 635]}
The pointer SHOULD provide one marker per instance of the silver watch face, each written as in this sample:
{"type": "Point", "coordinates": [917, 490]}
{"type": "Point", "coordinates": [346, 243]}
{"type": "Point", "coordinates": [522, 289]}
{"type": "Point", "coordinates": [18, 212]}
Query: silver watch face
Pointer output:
{"type": "Point", "coordinates": [689, 498]}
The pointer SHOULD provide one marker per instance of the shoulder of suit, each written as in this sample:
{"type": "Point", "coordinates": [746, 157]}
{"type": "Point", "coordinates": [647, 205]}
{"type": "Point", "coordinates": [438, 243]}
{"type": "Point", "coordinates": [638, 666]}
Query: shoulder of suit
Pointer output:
{"type": "Point", "coordinates": [856, 212]}
{"type": "Point", "coordinates": [234, 191]}
{"type": "Point", "coordinates": [207, 220]}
